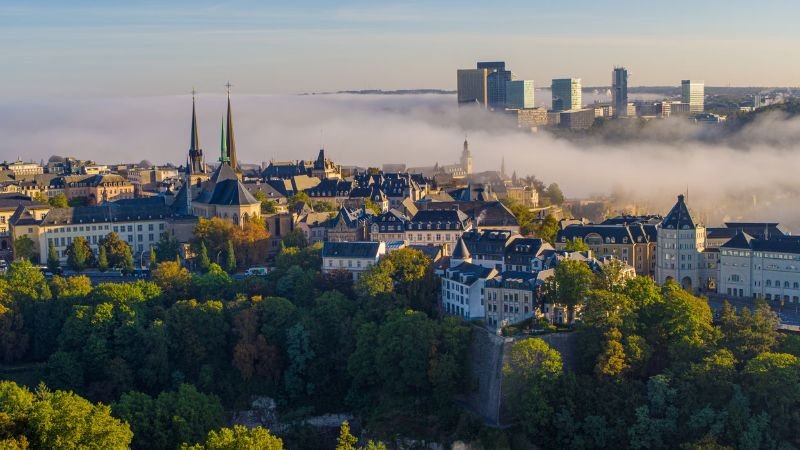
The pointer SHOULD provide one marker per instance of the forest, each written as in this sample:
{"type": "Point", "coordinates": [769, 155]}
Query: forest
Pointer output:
{"type": "Point", "coordinates": [163, 363]}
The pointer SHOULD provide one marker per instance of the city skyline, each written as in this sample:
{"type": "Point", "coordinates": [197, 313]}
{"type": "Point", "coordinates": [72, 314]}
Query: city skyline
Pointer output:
{"type": "Point", "coordinates": [150, 49]}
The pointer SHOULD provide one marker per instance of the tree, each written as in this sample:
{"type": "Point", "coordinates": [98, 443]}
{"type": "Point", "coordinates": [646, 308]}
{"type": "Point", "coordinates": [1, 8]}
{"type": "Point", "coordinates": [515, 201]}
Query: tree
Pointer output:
{"type": "Point", "coordinates": [58, 419]}
{"type": "Point", "coordinates": [59, 201]}
{"type": "Point", "coordinates": [202, 258]}
{"type": "Point", "coordinates": [298, 198]}
{"type": "Point", "coordinates": [213, 284]}
{"type": "Point", "coordinates": [79, 254]}
{"type": "Point", "coordinates": [748, 334]}
{"type": "Point", "coordinates": [230, 259]}
{"type": "Point", "coordinates": [117, 251]}
{"type": "Point", "coordinates": [569, 285]}
{"type": "Point", "coordinates": [102, 260]}
{"type": "Point", "coordinates": [174, 280]}
{"type": "Point", "coordinates": [612, 362]}
{"type": "Point", "coordinates": [576, 245]}
{"type": "Point", "coordinates": [127, 260]}
{"type": "Point", "coordinates": [252, 355]}
{"type": "Point", "coordinates": [267, 206]}
{"type": "Point", "coordinates": [53, 261]}
{"type": "Point", "coordinates": [172, 418]}
{"type": "Point", "coordinates": [296, 380]}
{"type": "Point", "coordinates": [197, 336]}
{"type": "Point", "coordinates": [546, 230]}
{"type": "Point", "coordinates": [554, 194]}
{"type": "Point", "coordinates": [296, 238]}
{"type": "Point", "coordinates": [23, 248]}
{"type": "Point", "coordinates": [372, 206]}
{"type": "Point", "coordinates": [346, 441]}
{"type": "Point", "coordinates": [239, 438]}
{"type": "Point", "coordinates": [166, 248]}
{"type": "Point", "coordinates": [153, 259]}
{"type": "Point", "coordinates": [532, 368]}
{"type": "Point", "coordinates": [14, 342]}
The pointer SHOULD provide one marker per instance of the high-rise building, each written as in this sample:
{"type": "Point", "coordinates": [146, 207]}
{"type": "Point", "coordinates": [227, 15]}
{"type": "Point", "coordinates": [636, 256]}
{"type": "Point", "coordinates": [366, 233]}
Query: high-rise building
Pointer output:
{"type": "Point", "coordinates": [693, 93]}
{"type": "Point", "coordinates": [497, 77]}
{"type": "Point", "coordinates": [619, 88]}
{"type": "Point", "coordinates": [472, 86]}
{"type": "Point", "coordinates": [519, 94]}
{"type": "Point", "coordinates": [566, 94]}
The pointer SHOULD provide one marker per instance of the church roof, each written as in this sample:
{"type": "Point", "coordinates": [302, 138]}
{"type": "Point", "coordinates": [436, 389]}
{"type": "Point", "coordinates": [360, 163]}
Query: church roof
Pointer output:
{"type": "Point", "coordinates": [679, 217]}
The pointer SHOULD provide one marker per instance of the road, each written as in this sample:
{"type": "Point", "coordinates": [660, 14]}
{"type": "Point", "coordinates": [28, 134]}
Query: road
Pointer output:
{"type": "Point", "coordinates": [789, 313]}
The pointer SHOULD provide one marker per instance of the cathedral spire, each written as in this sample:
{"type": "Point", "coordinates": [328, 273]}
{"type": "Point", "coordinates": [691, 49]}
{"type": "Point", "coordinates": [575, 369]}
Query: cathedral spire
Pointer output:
{"type": "Point", "coordinates": [195, 159]}
{"type": "Point", "coordinates": [223, 151]}
{"type": "Point", "coordinates": [230, 141]}
{"type": "Point", "coordinates": [194, 140]}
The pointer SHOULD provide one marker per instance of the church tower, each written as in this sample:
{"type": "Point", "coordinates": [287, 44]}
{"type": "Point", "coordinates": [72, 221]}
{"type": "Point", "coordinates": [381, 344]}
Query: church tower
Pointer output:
{"type": "Point", "coordinates": [196, 160]}
{"type": "Point", "coordinates": [466, 158]}
{"type": "Point", "coordinates": [230, 142]}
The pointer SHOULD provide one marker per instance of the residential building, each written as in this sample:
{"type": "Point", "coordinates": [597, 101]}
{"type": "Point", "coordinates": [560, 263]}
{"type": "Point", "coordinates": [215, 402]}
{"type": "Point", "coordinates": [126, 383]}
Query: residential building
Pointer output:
{"type": "Point", "coordinates": [96, 189]}
{"type": "Point", "coordinates": [349, 225]}
{"type": "Point", "coordinates": [9, 204]}
{"type": "Point", "coordinates": [520, 94]}
{"type": "Point", "coordinates": [693, 93]}
{"type": "Point", "coordinates": [761, 268]}
{"type": "Point", "coordinates": [463, 286]}
{"type": "Point", "coordinates": [488, 247]}
{"type": "Point", "coordinates": [389, 226]}
{"type": "Point", "coordinates": [437, 227]}
{"type": "Point", "coordinates": [20, 169]}
{"type": "Point", "coordinates": [619, 90]}
{"type": "Point", "coordinates": [510, 297]}
{"type": "Point", "coordinates": [473, 87]}
{"type": "Point", "coordinates": [524, 195]}
{"type": "Point", "coordinates": [633, 243]}
{"type": "Point", "coordinates": [354, 257]}
{"type": "Point", "coordinates": [566, 94]}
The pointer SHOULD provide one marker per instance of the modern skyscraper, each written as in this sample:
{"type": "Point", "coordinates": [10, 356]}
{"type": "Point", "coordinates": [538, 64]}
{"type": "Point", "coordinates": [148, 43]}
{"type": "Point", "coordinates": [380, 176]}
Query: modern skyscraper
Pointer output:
{"type": "Point", "coordinates": [472, 87]}
{"type": "Point", "coordinates": [566, 94]}
{"type": "Point", "coordinates": [519, 94]}
{"type": "Point", "coordinates": [619, 83]}
{"type": "Point", "coordinates": [693, 93]}
{"type": "Point", "coordinates": [497, 78]}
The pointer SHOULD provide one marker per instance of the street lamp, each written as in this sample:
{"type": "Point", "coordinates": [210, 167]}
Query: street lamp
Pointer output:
{"type": "Point", "coordinates": [218, 253]}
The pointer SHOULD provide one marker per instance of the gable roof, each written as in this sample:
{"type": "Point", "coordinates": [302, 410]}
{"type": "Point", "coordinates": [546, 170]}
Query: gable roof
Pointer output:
{"type": "Point", "coordinates": [350, 249]}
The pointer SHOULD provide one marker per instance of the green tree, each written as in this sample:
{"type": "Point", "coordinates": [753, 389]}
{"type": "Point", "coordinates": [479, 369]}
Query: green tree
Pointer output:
{"type": "Point", "coordinates": [153, 260]}
{"type": "Point", "coordinates": [59, 201]}
{"type": "Point", "coordinates": [58, 419]}
{"type": "Point", "coordinates": [53, 261]}
{"type": "Point", "coordinates": [554, 194]}
{"type": "Point", "coordinates": [230, 259]}
{"type": "Point", "coordinates": [172, 418]}
{"type": "Point", "coordinates": [748, 334]}
{"type": "Point", "coordinates": [531, 369]}
{"type": "Point", "coordinates": [102, 260]}
{"type": "Point", "coordinates": [298, 198]}
{"type": "Point", "coordinates": [569, 285]}
{"type": "Point", "coordinates": [239, 438]}
{"type": "Point", "coordinates": [79, 254]}
{"type": "Point", "coordinates": [215, 283]}
{"type": "Point", "coordinates": [612, 361]}
{"type": "Point", "coordinates": [296, 380]}
{"type": "Point", "coordinates": [166, 248]}
{"type": "Point", "coordinates": [197, 336]}
{"type": "Point", "coordinates": [174, 280]}
{"type": "Point", "coordinates": [296, 238]}
{"type": "Point", "coordinates": [127, 260]}
{"type": "Point", "coordinates": [372, 206]}
{"type": "Point", "coordinates": [576, 245]}
{"type": "Point", "coordinates": [23, 248]}
{"type": "Point", "coordinates": [547, 229]}
{"type": "Point", "coordinates": [202, 258]}
{"type": "Point", "coordinates": [267, 206]}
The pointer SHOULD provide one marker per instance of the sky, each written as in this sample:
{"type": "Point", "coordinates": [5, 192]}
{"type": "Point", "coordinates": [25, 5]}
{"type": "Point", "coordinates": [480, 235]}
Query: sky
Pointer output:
{"type": "Point", "coordinates": [96, 48]}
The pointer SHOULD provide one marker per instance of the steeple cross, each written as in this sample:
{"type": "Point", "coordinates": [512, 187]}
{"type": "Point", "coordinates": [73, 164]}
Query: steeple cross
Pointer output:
{"type": "Point", "coordinates": [228, 85]}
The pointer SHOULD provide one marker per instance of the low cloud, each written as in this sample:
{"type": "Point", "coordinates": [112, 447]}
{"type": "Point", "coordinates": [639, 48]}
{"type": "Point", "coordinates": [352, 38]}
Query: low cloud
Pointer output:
{"type": "Point", "coordinates": [750, 175]}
